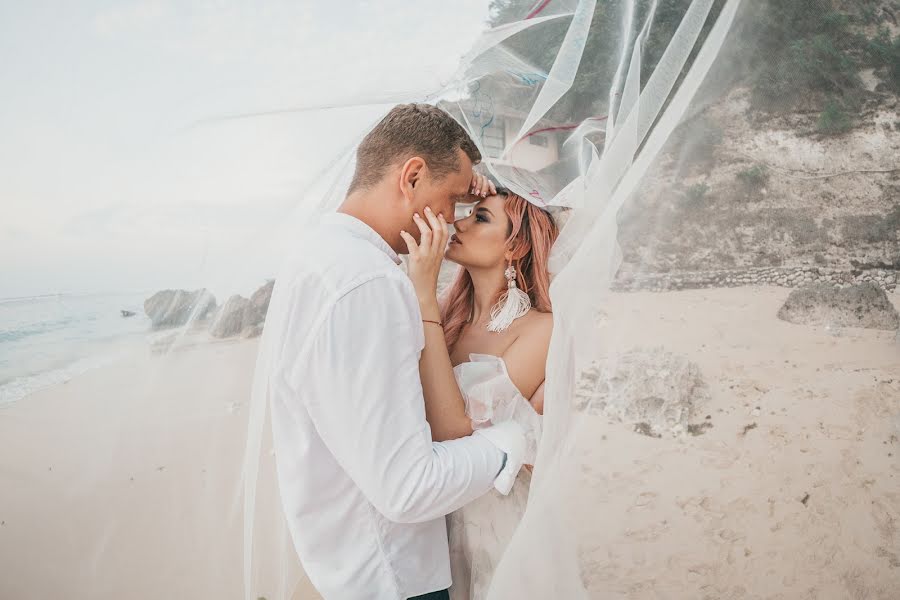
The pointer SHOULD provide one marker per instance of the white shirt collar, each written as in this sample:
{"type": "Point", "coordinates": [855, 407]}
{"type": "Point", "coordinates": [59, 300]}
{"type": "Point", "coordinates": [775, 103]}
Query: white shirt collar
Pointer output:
{"type": "Point", "coordinates": [360, 229]}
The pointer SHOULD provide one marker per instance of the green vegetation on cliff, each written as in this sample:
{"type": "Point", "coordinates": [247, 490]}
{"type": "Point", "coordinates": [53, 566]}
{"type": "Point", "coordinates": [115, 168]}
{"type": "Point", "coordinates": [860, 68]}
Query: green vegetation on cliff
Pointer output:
{"type": "Point", "coordinates": [792, 54]}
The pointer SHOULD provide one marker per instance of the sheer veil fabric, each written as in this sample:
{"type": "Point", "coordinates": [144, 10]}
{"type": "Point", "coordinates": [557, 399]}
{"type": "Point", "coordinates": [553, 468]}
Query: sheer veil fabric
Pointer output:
{"type": "Point", "coordinates": [706, 433]}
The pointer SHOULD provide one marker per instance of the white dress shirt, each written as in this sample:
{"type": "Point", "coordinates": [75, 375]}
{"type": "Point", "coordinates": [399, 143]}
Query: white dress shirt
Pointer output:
{"type": "Point", "coordinates": [364, 488]}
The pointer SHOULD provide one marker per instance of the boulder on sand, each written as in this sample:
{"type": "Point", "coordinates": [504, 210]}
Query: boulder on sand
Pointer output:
{"type": "Point", "coordinates": [864, 305]}
{"type": "Point", "coordinates": [261, 297]}
{"type": "Point", "coordinates": [235, 315]}
{"type": "Point", "coordinates": [654, 390]}
{"type": "Point", "coordinates": [174, 308]}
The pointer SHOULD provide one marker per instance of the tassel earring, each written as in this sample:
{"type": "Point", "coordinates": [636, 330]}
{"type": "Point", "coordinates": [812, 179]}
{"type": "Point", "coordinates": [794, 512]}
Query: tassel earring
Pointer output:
{"type": "Point", "coordinates": [514, 303]}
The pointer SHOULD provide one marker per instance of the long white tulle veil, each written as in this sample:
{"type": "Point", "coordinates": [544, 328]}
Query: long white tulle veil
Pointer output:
{"type": "Point", "coordinates": [722, 412]}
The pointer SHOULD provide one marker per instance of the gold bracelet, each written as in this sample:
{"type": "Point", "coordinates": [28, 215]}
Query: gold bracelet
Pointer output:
{"type": "Point", "coordinates": [438, 323]}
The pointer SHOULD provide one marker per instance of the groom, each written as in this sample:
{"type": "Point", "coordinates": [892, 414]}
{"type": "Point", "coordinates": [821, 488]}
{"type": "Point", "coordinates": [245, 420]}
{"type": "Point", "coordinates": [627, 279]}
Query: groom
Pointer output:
{"type": "Point", "coordinates": [364, 488]}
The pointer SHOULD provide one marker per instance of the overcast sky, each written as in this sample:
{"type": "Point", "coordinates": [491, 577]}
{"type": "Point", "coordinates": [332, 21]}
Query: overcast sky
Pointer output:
{"type": "Point", "coordinates": [117, 172]}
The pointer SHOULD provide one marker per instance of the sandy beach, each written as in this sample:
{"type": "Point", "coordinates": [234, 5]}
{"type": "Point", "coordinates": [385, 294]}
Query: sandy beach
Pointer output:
{"type": "Point", "coordinates": [794, 492]}
{"type": "Point", "coordinates": [791, 493]}
{"type": "Point", "coordinates": [103, 475]}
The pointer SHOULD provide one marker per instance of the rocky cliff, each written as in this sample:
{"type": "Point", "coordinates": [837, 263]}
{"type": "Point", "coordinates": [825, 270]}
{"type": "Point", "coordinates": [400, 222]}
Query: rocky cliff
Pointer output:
{"type": "Point", "coordinates": [746, 184]}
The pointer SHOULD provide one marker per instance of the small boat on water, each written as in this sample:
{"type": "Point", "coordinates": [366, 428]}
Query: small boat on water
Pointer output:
{"type": "Point", "coordinates": [127, 313]}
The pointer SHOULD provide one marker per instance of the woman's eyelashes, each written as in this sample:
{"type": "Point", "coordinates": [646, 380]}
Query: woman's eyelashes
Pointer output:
{"type": "Point", "coordinates": [481, 218]}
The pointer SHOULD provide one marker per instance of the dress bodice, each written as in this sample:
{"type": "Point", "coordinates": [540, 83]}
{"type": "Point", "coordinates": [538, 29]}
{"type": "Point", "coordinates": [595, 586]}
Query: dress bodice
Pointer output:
{"type": "Point", "coordinates": [480, 531]}
{"type": "Point", "coordinates": [492, 397]}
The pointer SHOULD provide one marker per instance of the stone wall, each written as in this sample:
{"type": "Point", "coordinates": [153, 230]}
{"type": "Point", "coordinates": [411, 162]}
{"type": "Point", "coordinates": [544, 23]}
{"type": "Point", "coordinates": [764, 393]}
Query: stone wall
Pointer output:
{"type": "Point", "coordinates": [886, 279]}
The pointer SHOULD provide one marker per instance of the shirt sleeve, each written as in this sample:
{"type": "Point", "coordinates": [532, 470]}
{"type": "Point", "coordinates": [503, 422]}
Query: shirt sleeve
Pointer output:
{"type": "Point", "coordinates": [367, 405]}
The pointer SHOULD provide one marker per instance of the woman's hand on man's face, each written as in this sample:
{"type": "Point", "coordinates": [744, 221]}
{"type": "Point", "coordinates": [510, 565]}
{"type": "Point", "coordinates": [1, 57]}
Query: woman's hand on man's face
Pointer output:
{"type": "Point", "coordinates": [425, 257]}
{"type": "Point", "coordinates": [482, 187]}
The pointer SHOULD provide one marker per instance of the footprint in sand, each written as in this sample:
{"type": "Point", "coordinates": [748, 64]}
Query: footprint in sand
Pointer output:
{"type": "Point", "coordinates": [886, 522]}
{"type": "Point", "coordinates": [644, 500]}
{"type": "Point", "coordinates": [720, 457]}
{"type": "Point", "coordinates": [647, 534]}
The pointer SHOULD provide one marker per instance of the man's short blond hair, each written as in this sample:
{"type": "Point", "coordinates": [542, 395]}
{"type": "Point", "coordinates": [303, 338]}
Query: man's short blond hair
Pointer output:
{"type": "Point", "coordinates": [412, 130]}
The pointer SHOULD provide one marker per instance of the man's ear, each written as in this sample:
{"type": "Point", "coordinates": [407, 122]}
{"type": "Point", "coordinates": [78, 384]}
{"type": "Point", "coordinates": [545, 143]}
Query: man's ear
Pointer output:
{"type": "Point", "coordinates": [411, 175]}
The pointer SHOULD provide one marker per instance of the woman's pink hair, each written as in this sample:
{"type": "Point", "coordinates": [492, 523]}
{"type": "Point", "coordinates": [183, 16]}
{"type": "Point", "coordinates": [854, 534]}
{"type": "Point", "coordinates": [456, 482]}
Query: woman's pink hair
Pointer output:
{"type": "Point", "coordinates": [532, 233]}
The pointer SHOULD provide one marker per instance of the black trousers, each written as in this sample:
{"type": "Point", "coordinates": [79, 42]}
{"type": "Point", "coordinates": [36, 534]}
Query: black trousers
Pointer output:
{"type": "Point", "coordinates": [442, 595]}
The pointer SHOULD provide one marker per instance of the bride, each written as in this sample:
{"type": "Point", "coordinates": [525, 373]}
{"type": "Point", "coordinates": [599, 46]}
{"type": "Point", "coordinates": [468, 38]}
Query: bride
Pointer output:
{"type": "Point", "coordinates": [486, 344]}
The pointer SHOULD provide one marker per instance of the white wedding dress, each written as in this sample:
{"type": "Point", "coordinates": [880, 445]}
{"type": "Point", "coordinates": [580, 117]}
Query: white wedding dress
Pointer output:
{"type": "Point", "coordinates": [480, 531]}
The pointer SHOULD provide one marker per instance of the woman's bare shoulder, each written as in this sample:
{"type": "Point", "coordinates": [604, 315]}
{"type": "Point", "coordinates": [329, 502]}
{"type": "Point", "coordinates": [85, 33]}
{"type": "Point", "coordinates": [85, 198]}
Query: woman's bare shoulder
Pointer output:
{"type": "Point", "coordinates": [535, 324]}
{"type": "Point", "coordinates": [526, 359]}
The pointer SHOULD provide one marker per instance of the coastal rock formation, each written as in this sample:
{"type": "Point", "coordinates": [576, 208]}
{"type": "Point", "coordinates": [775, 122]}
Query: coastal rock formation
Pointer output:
{"type": "Point", "coordinates": [863, 305]}
{"type": "Point", "coordinates": [252, 331]}
{"type": "Point", "coordinates": [739, 189]}
{"type": "Point", "coordinates": [261, 297]}
{"type": "Point", "coordinates": [240, 316]}
{"type": "Point", "coordinates": [791, 277]}
{"type": "Point", "coordinates": [653, 389]}
{"type": "Point", "coordinates": [237, 314]}
{"type": "Point", "coordinates": [174, 308]}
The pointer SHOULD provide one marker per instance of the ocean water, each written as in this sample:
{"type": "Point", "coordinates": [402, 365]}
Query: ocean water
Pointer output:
{"type": "Point", "coordinates": [47, 340]}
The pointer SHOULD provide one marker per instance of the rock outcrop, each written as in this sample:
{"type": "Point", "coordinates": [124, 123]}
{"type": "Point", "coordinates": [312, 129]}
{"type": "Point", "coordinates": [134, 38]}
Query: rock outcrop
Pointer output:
{"type": "Point", "coordinates": [240, 316]}
{"type": "Point", "coordinates": [236, 315]}
{"type": "Point", "coordinates": [736, 189]}
{"type": "Point", "coordinates": [791, 277]}
{"type": "Point", "coordinates": [261, 297]}
{"type": "Point", "coordinates": [864, 305]}
{"type": "Point", "coordinates": [654, 390]}
{"type": "Point", "coordinates": [174, 308]}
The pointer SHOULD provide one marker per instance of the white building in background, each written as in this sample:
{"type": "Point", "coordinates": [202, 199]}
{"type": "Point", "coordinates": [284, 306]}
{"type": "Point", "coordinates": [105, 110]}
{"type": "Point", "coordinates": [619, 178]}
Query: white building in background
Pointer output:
{"type": "Point", "coordinates": [532, 153]}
